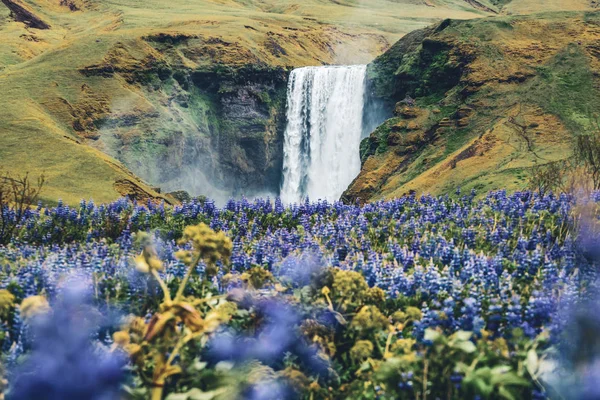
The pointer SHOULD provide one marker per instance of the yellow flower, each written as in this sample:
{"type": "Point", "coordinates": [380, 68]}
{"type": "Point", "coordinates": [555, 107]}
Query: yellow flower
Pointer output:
{"type": "Point", "coordinates": [138, 326]}
{"type": "Point", "coordinates": [147, 262]}
{"type": "Point", "coordinates": [141, 265]}
{"type": "Point", "coordinates": [409, 358]}
{"type": "Point", "coordinates": [226, 310]}
{"type": "Point", "coordinates": [414, 313]}
{"type": "Point", "coordinates": [155, 264]}
{"type": "Point", "coordinates": [399, 316]}
{"type": "Point", "coordinates": [370, 318]}
{"type": "Point", "coordinates": [349, 288]}
{"type": "Point", "coordinates": [7, 302]}
{"type": "Point", "coordinates": [296, 378]}
{"type": "Point", "coordinates": [34, 305]}
{"type": "Point", "coordinates": [209, 244]}
{"type": "Point", "coordinates": [184, 256]}
{"type": "Point", "coordinates": [133, 349]}
{"type": "Point", "coordinates": [403, 346]}
{"type": "Point", "coordinates": [375, 296]}
{"type": "Point", "coordinates": [257, 277]}
{"type": "Point", "coordinates": [121, 338]}
{"type": "Point", "coordinates": [361, 350]}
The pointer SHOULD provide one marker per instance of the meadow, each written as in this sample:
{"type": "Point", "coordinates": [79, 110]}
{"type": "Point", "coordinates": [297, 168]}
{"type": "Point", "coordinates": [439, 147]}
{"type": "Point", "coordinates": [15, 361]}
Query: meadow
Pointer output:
{"type": "Point", "coordinates": [456, 297]}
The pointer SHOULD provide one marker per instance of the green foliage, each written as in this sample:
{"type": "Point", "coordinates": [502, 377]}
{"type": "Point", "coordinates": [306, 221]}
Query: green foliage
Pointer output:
{"type": "Point", "coordinates": [370, 344]}
{"type": "Point", "coordinates": [587, 153]}
{"type": "Point", "coordinates": [483, 366]}
{"type": "Point", "coordinates": [7, 303]}
{"type": "Point", "coordinates": [565, 87]}
{"type": "Point", "coordinates": [551, 176]}
{"type": "Point", "coordinates": [418, 66]}
{"type": "Point", "coordinates": [500, 3]}
{"type": "Point", "coordinates": [17, 195]}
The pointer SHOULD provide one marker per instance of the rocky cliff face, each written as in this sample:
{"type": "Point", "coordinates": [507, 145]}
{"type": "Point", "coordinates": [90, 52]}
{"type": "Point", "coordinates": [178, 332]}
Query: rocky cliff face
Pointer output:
{"type": "Point", "coordinates": [489, 99]}
{"type": "Point", "coordinates": [247, 150]}
{"type": "Point", "coordinates": [213, 130]}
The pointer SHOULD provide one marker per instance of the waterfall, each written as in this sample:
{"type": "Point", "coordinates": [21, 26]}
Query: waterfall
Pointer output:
{"type": "Point", "coordinates": [324, 128]}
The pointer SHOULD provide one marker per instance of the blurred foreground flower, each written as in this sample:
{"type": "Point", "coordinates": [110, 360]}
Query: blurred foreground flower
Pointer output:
{"type": "Point", "coordinates": [64, 363]}
{"type": "Point", "coordinates": [576, 372]}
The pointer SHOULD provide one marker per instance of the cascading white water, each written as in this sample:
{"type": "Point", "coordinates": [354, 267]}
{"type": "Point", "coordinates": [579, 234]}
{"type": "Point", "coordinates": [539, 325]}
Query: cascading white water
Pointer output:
{"type": "Point", "coordinates": [324, 127]}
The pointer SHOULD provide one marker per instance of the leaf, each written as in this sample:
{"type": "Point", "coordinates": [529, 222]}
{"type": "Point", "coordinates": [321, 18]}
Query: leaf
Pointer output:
{"type": "Point", "coordinates": [432, 335]}
{"type": "Point", "coordinates": [482, 387]}
{"type": "Point", "coordinates": [467, 347]}
{"type": "Point", "coordinates": [224, 366]}
{"type": "Point", "coordinates": [532, 363]}
{"type": "Point", "coordinates": [366, 366]}
{"type": "Point", "coordinates": [509, 379]}
{"type": "Point", "coordinates": [462, 367]}
{"type": "Point", "coordinates": [505, 393]}
{"type": "Point", "coordinates": [200, 365]}
{"type": "Point", "coordinates": [178, 396]}
{"type": "Point", "coordinates": [157, 324]}
{"type": "Point", "coordinates": [485, 373]}
{"type": "Point", "coordinates": [340, 318]}
{"type": "Point", "coordinates": [501, 369]}
{"type": "Point", "coordinates": [195, 394]}
{"type": "Point", "coordinates": [462, 335]}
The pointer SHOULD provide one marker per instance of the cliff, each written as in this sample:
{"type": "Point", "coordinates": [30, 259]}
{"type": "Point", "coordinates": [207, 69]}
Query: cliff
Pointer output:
{"type": "Point", "coordinates": [492, 98]}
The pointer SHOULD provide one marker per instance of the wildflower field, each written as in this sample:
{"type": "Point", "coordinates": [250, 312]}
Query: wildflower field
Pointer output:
{"type": "Point", "coordinates": [418, 298]}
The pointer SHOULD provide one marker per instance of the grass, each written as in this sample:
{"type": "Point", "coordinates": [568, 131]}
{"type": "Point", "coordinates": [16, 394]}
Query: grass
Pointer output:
{"type": "Point", "coordinates": [565, 87]}
{"type": "Point", "coordinates": [515, 7]}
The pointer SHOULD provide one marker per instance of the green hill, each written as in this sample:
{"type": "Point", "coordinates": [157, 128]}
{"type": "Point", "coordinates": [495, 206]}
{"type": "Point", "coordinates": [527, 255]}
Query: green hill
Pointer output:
{"type": "Point", "coordinates": [494, 98]}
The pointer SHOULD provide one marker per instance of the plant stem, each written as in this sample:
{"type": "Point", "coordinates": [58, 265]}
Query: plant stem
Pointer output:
{"type": "Point", "coordinates": [389, 342]}
{"type": "Point", "coordinates": [425, 370]}
{"type": "Point", "coordinates": [175, 351]}
{"type": "Point", "coordinates": [157, 393]}
{"type": "Point", "coordinates": [163, 286]}
{"type": "Point", "coordinates": [186, 278]}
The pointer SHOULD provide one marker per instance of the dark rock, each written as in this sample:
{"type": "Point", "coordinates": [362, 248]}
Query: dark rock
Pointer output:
{"type": "Point", "coordinates": [21, 14]}
{"type": "Point", "coordinates": [446, 122]}
{"type": "Point", "coordinates": [180, 195]}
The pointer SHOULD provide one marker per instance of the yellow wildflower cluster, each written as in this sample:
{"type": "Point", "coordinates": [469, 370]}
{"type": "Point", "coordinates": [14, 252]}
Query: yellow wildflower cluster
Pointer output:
{"type": "Point", "coordinates": [369, 318]}
{"type": "Point", "coordinates": [257, 277]}
{"type": "Point", "coordinates": [33, 306]}
{"type": "Point", "coordinates": [148, 260]}
{"type": "Point", "coordinates": [361, 350]}
{"type": "Point", "coordinates": [349, 288]}
{"type": "Point", "coordinates": [208, 245]}
{"type": "Point", "coordinates": [7, 302]}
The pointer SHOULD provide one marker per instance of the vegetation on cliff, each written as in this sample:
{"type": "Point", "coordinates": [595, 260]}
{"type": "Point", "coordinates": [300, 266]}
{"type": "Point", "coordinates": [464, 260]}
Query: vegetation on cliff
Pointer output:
{"type": "Point", "coordinates": [493, 99]}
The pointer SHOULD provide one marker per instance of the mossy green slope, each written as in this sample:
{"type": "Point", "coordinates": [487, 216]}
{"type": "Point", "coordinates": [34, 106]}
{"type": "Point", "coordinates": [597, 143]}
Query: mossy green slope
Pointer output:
{"type": "Point", "coordinates": [496, 96]}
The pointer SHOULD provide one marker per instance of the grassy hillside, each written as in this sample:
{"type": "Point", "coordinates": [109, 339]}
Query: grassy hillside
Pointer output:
{"type": "Point", "coordinates": [100, 80]}
{"type": "Point", "coordinates": [494, 97]}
